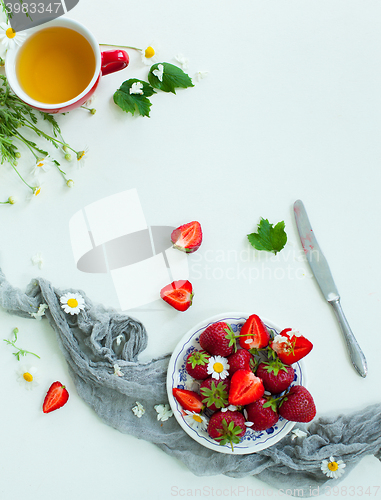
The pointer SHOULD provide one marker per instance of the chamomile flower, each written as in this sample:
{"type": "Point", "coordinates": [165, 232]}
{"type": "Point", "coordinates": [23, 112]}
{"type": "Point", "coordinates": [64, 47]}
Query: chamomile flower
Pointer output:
{"type": "Point", "coordinates": [138, 410]}
{"type": "Point", "coordinates": [70, 183]}
{"type": "Point", "coordinates": [37, 260]}
{"type": "Point", "coordinates": [81, 156]}
{"type": "Point", "coordinates": [200, 75]}
{"type": "Point", "coordinates": [26, 376]}
{"type": "Point", "coordinates": [41, 312]}
{"type": "Point", "coordinates": [333, 468]}
{"type": "Point", "coordinates": [43, 165]}
{"type": "Point", "coordinates": [159, 72]}
{"type": "Point", "coordinates": [9, 38]}
{"type": "Point", "coordinates": [182, 60]}
{"type": "Point", "coordinates": [218, 367]}
{"type": "Point", "coordinates": [164, 412]}
{"type": "Point", "coordinates": [149, 55]}
{"type": "Point", "coordinates": [36, 190]}
{"type": "Point", "coordinates": [72, 303]}
{"type": "Point", "coordinates": [195, 420]}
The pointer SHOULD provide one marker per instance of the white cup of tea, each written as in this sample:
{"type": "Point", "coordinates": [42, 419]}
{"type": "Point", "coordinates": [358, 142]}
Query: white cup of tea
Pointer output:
{"type": "Point", "coordinates": [59, 66]}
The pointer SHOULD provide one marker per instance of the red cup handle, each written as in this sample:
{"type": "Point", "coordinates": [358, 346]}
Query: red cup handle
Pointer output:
{"type": "Point", "coordinates": [114, 60]}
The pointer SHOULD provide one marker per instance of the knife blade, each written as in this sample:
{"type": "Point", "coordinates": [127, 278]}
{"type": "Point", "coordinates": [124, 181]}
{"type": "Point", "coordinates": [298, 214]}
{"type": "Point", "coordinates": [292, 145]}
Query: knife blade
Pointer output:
{"type": "Point", "coordinates": [320, 269]}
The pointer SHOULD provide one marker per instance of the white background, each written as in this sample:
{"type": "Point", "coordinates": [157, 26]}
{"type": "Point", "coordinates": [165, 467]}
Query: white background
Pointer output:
{"type": "Point", "coordinates": [290, 109]}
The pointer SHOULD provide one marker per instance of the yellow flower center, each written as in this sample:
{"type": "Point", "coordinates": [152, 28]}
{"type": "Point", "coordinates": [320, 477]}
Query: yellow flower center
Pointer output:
{"type": "Point", "coordinates": [72, 303]}
{"type": "Point", "coordinates": [80, 155]}
{"type": "Point", "coordinates": [218, 367]}
{"type": "Point", "coordinates": [41, 164]}
{"type": "Point", "coordinates": [11, 33]}
{"type": "Point", "coordinates": [333, 466]}
{"type": "Point", "coordinates": [197, 418]}
{"type": "Point", "coordinates": [149, 52]}
{"type": "Point", "coordinates": [28, 377]}
{"type": "Point", "coordinates": [37, 191]}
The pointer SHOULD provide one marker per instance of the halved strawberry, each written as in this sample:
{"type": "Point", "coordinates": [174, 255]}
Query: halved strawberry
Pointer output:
{"type": "Point", "coordinates": [254, 334]}
{"type": "Point", "coordinates": [178, 294]}
{"type": "Point", "coordinates": [290, 348]}
{"type": "Point", "coordinates": [189, 400]}
{"type": "Point", "coordinates": [56, 397]}
{"type": "Point", "coordinates": [245, 388]}
{"type": "Point", "coordinates": [187, 237]}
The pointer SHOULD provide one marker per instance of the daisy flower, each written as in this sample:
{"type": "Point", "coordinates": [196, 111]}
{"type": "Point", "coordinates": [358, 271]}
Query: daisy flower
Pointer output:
{"type": "Point", "coordinates": [43, 165]}
{"type": "Point", "coordinates": [72, 303]}
{"type": "Point", "coordinates": [27, 377]}
{"type": "Point", "coordinates": [36, 190]}
{"type": "Point", "coordinates": [159, 72]}
{"type": "Point", "coordinates": [41, 312]}
{"type": "Point", "coordinates": [332, 468]}
{"type": "Point", "coordinates": [218, 367]}
{"type": "Point", "coordinates": [195, 420]}
{"type": "Point", "coordinates": [149, 55]}
{"type": "Point", "coordinates": [37, 260]}
{"type": "Point", "coordinates": [117, 371]}
{"type": "Point", "coordinates": [138, 410]}
{"type": "Point", "coordinates": [164, 412]}
{"type": "Point", "coordinates": [9, 38]}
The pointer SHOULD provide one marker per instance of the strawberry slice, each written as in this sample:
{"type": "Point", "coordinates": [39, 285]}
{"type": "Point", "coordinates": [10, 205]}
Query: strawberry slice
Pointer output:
{"type": "Point", "coordinates": [245, 388]}
{"type": "Point", "coordinates": [189, 400]}
{"type": "Point", "coordinates": [187, 237]}
{"type": "Point", "coordinates": [254, 334]}
{"type": "Point", "coordinates": [56, 397]}
{"type": "Point", "coordinates": [290, 348]}
{"type": "Point", "coordinates": [178, 294]}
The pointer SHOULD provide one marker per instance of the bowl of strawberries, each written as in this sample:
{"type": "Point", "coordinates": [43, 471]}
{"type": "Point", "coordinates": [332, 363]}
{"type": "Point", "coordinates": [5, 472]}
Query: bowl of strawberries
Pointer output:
{"type": "Point", "coordinates": [236, 383]}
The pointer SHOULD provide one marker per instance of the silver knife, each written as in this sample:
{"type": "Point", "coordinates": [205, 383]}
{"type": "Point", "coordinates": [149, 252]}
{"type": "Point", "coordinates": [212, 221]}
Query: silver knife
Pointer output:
{"type": "Point", "coordinates": [322, 273]}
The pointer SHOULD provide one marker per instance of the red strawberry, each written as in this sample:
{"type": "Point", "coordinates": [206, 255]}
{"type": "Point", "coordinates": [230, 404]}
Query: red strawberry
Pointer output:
{"type": "Point", "coordinates": [197, 365]}
{"type": "Point", "coordinates": [187, 237]}
{"type": "Point", "coordinates": [178, 294]}
{"type": "Point", "coordinates": [290, 348]}
{"type": "Point", "coordinates": [218, 339]}
{"type": "Point", "coordinates": [227, 427]}
{"type": "Point", "coordinates": [215, 393]}
{"type": "Point", "coordinates": [245, 388]}
{"type": "Point", "coordinates": [189, 400]}
{"type": "Point", "coordinates": [254, 334]}
{"type": "Point", "coordinates": [240, 360]}
{"type": "Point", "coordinates": [262, 413]}
{"type": "Point", "coordinates": [276, 376]}
{"type": "Point", "coordinates": [297, 405]}
{"type": "Point", "coordinates": [56, 397]}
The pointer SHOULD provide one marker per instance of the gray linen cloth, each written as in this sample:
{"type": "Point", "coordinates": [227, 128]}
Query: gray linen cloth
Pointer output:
{"type": "Point", "coordinates": [88, 342]}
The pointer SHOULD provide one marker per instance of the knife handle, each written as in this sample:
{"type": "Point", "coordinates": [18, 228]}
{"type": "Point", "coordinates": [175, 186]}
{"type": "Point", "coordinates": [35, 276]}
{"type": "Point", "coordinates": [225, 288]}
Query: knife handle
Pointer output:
{"type": "Point", "coordinates": [355, 352]}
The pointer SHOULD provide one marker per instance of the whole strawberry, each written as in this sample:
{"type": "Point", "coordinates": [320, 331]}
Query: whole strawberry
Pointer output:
{"type": "Point", "coordinates": [241, 360]}
{"type": "Point", "coordinates": [218, 339]}
{"type": "Point", "coordinates": [227, 427]}
{"type": "Point", "coordinates": [297, 405]}
{"type": "Point", "coordinates": [197, 365]}
{"type": "Point", "coordinates": [275, 375]}
{"type": "Point", "coordinates": [262, 414]}
{"type": "Point", "coordinates": [215, 393]}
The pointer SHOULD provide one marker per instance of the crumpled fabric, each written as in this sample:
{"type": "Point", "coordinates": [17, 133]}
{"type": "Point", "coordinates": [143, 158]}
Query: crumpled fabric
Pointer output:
{"type": "Point", "coordinates": [91, 348]}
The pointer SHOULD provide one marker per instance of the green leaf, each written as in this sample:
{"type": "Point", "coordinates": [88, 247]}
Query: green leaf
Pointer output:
{"type": "Point", "coordinates": [267, 237]}
{"type": "Point", "coordinates": [172, 78]}
{"type": "Point", "coordinates": [131, 103]}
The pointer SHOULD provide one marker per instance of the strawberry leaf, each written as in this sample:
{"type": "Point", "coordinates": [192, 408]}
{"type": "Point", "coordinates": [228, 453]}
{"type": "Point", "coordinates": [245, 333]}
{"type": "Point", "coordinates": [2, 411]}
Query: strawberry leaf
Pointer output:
{"type": "Point", "coordinates": [171, 78]}
{"type": "Point", "coordinates": [131, 102]}
{"type": "Point", "coordinates": [267, 237]}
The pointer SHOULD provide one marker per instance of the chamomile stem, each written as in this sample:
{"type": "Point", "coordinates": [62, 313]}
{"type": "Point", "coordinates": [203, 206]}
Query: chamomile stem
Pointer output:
{"type": "Point", "coordinates": [24, 181]}
{"type": "Point", "coordinates": [119, 46]}
{"type": "Point", "coordinates": [21, 138]}
{"type": "Point", "coordinates": [53, 139]}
